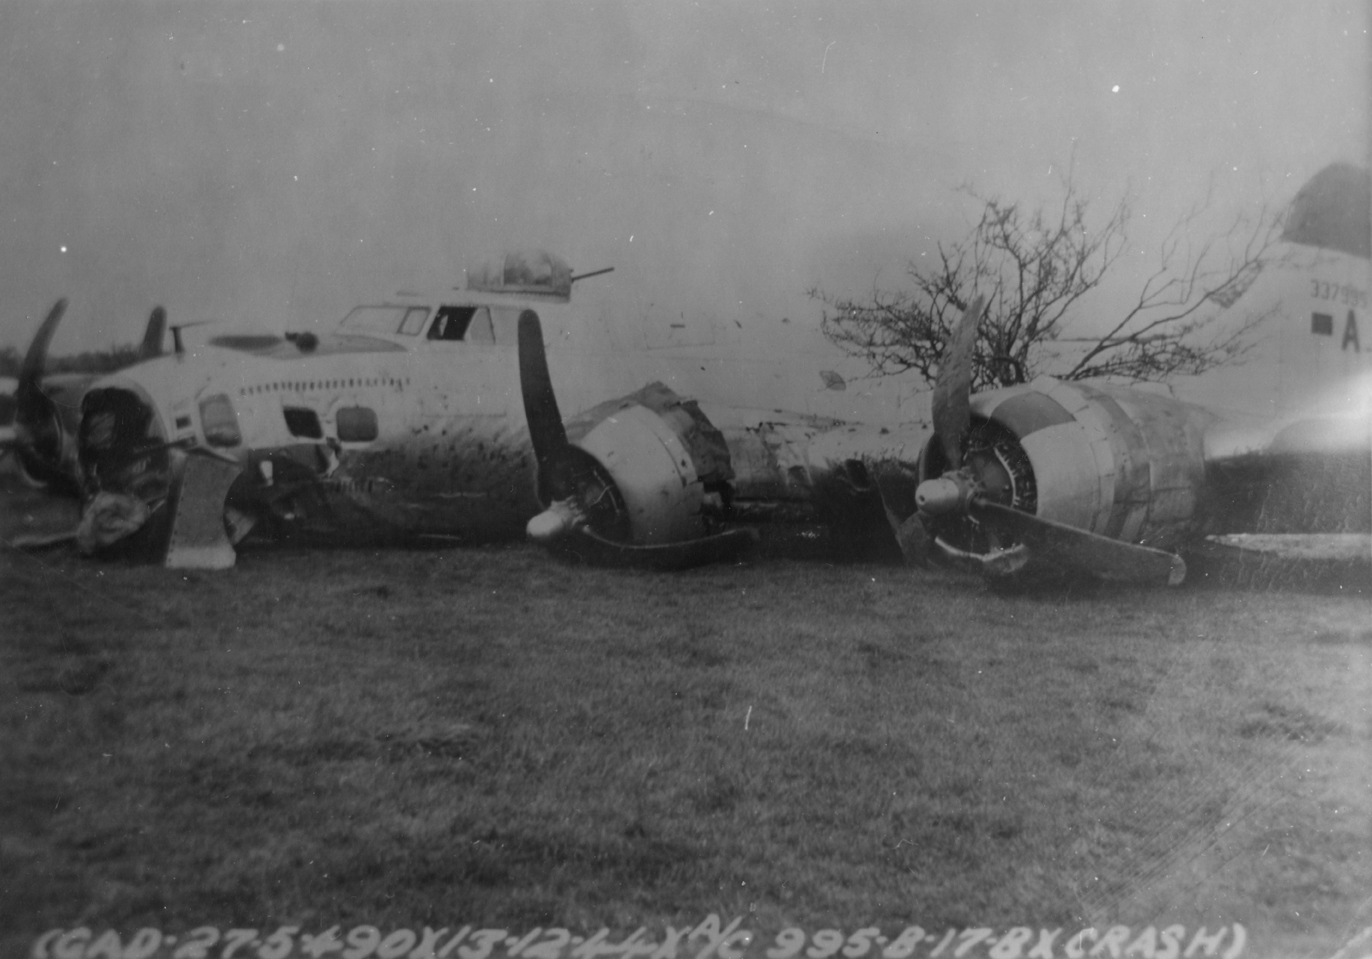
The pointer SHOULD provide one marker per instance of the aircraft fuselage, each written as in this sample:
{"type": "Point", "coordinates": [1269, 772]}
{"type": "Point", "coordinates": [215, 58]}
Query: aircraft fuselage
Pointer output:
{"type": "Point", "coordinates": [351, 435]}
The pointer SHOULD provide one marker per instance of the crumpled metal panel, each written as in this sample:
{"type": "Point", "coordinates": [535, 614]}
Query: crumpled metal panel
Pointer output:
{"type": "Point", "coordinates": [198, 539]}
{"type": "Point", "coordinates": [107, 519]}
{"type": "Point", "coordinates": [654, 473]}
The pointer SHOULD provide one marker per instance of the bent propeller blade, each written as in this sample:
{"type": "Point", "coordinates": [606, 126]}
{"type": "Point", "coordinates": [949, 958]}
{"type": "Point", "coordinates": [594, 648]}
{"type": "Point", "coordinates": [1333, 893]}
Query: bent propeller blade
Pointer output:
{"type": "Point", "coordinates": [953, 386]}
{"type": "Point", "coordinates": [1082, 551]}
{"type": "Point", "coordinates": [540, 402]}
{"type": "Point", "coordinates": [31, 372]}
{"type": "Point", "coordinates": [40, 436]}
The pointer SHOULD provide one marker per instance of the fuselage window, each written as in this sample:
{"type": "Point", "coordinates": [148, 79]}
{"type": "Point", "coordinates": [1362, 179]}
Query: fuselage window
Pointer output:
{"type": "Point", "coordinates": [356, 424]}
{"type": "Point", "coordinates": [451, 322]}
{"type": "Point", "coordinates": [303, 422]}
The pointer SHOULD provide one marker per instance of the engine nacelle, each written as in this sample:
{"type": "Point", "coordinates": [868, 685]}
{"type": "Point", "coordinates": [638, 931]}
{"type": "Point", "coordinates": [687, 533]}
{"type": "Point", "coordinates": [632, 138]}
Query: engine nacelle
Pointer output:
{"type": "Point", "coordinates": [1114, 461]}
{"type": "Point", "coordinates": [639, 471]}
{"type": "Point", "coordinates": [654, 472]}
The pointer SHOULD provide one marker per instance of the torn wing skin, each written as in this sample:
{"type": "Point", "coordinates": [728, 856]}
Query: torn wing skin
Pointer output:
{"type": "Point", "coordinates": [657, 480]}
{"type": "Point", "coordinates": [1052, 478]}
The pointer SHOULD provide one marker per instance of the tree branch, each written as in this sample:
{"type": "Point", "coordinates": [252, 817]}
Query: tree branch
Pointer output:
{"type": "Point", "coordinates": [1038, 267]}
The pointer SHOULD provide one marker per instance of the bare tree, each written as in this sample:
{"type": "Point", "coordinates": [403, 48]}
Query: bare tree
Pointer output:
{"type": "Point", "coordinates": [1034, 266]}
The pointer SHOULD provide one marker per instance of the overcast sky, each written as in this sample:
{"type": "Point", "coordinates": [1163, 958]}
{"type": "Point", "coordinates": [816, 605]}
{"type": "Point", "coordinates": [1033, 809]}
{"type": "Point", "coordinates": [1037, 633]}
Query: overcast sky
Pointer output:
{"type": "Point", "coordinates": [272, 164]}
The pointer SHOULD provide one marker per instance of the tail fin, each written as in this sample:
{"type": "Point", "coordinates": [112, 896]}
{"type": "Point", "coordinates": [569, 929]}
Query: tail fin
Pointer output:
{"type": "Point", "coordinates": [1332, 211]}
{"type": "Point", "coordinates": [1312, 310]}
{"type": "Point", "coordinates": [152, 338]}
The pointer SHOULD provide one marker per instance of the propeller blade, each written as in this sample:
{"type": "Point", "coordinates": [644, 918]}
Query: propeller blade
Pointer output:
{"type": "Point", "coordinates": [898, 486]}
{"type": "Point", "coordinates": [953, 386]}
{"type": "Point", "coordinates": [540, 402]}
{"type": "Point", "coordinates": [31, 372]}
{"type": "Point", "coordinates": [1081, 551]}
{"type": "Point", "coordinates": [152, 337]}
{"type": "Point", "coordinates": [40, 433]}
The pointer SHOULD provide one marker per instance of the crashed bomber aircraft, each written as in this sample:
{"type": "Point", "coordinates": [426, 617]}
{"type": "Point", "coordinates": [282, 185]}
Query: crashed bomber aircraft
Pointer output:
{"type": "Point", "coordinates": [404, 422]}
{"type": "Point", "coordinates": [407, 421]}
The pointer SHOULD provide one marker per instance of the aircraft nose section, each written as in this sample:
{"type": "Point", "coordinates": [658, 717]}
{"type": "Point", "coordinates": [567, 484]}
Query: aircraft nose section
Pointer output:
{"type": "Point", "coordinates": [939, 497]}
{"type": "Point", "coordinates": [554, 522]}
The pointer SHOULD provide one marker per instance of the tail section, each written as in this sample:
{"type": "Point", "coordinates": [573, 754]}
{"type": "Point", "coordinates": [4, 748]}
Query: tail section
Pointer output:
{"type": "Point", "coordinates": [1313, 339]}
{"type": "Point", "coordinates": [1325, 355]}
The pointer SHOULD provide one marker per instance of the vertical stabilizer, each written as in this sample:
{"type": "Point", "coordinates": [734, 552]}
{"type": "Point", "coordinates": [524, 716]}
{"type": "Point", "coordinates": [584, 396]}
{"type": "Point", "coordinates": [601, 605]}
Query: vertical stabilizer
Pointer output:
{"type": "Point", "coordinates": [1313, 340]}
{"type": "Point", "coordinates": [152, 337]}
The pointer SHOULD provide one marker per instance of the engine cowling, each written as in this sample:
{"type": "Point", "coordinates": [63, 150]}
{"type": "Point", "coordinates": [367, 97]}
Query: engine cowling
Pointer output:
{"type": "Point", "coordinates": [641, 468]}
{"type": "Point", "coordinates": [633, 483]}
{"type": "Point", "coordinates": [654, 473]}
{"type": "Point", "coordinates": [626, 482]}
{"type": "Point", "coordinates": [1112, 461]}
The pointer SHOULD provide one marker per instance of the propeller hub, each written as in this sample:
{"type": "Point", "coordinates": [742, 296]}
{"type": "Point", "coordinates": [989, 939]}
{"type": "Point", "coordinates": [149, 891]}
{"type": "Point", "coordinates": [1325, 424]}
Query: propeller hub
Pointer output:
{"type": "Point", "coordinates": [943, 496]}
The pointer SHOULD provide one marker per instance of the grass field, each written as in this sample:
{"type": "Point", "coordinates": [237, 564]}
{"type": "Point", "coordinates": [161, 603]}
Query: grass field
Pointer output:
{"type": "Point", "coordinates": [487, 736]}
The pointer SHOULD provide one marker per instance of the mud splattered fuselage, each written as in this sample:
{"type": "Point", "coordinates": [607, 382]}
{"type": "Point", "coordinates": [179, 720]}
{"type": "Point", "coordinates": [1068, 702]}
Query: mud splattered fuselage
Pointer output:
{"type": "Point", "coordinates": [404, 422]}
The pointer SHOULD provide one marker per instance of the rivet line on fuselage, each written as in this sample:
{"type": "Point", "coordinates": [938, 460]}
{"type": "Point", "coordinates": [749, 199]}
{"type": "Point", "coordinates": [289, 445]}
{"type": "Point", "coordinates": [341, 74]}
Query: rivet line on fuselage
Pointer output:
{"type": "Point", "coordinates": [313, 386]}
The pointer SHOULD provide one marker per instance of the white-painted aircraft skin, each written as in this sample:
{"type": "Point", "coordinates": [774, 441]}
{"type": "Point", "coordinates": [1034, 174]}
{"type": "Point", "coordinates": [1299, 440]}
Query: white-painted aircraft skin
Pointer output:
{"type": "Point", "coordinates": [439, 415]}
{"type": "Point", "coordinates": [406, 421]}
{"type": "Point", "coordinates": [423, 435]}
{"type": "Point", "coordinates": [1312, 354]}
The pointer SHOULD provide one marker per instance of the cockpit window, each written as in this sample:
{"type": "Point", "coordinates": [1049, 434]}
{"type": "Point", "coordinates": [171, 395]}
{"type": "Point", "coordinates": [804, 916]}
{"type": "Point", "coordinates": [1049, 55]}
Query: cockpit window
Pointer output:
{"type": "Point", "coordinates": [451, 322]}
{"type": "Point", "coordinates": [387, 319]}
{"type": "Point", "coordinates": [470, 323]}
{"type": "Point", "coordinates": [413, 324]}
